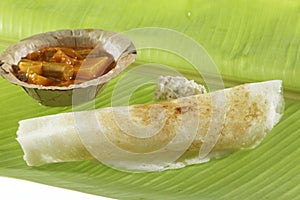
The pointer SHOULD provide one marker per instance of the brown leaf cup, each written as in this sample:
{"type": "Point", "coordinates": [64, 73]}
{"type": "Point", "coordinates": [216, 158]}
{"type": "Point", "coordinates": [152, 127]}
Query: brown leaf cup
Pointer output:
{"type": "Point", "coordinates": [116, 44]}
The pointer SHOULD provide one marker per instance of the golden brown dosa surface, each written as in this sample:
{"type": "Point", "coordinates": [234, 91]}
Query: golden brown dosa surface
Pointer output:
{"type": "Point", "coordinates": [240, 116]}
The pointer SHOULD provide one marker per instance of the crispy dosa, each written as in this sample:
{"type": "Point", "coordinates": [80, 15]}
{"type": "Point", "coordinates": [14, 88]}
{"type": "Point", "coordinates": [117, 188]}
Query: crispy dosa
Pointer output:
{"type": "Point", "coordinates": [155, 137]}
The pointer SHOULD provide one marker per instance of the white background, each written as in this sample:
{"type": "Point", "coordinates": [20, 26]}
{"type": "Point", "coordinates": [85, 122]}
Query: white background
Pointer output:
{"type": "Point", "coordinates": [11, 189]}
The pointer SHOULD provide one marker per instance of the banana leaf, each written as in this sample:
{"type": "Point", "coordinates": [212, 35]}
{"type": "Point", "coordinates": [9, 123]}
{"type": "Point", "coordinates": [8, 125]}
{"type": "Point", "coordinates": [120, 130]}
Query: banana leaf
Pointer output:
{"type": "Point", "coordinates": [247, 41]}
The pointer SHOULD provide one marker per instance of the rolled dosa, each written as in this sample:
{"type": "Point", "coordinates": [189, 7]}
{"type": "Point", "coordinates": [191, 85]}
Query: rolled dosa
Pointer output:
{"type": "Point", "coordinates": [159, 136]}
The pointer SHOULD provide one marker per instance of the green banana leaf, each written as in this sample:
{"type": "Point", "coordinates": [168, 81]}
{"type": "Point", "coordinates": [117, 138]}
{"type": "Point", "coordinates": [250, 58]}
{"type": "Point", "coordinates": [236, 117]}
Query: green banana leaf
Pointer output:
{"type": "Point", "coordinates": [247, 40]}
